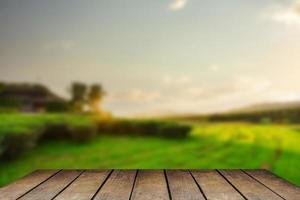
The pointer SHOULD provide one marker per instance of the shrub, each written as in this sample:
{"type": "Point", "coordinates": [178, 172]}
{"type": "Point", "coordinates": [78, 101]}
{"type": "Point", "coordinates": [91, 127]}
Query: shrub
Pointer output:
{"type": "Point", "coordinates": [174, 130]}
{"type": "Point", "coordinates": [20, 132]}
{"type": "Point", "coordinates": [56, 131]}
{"type": "Point", "coordinates": [12, 145]}
{"type": "Point", "coordinates": [77, 133]}
{"type": "Point", "coordinates": [83, 133]}
{"type": "Point", "coordinates": [143, 128]}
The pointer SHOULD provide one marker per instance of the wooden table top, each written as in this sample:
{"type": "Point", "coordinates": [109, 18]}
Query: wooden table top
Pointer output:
{"type": "Point", "coordinates": [150, 184]}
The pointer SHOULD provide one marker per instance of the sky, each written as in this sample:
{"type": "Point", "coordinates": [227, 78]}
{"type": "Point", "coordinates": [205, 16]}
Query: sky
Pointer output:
{"type": "Point", "coordinates": [158, 56]}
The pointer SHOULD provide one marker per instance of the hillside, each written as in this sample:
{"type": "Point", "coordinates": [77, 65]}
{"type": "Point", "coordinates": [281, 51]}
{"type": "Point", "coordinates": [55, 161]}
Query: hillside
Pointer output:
{"type": "Point", "coordinates": [262, 107]}
{"type": "Point", "coordinates": [288, 112]}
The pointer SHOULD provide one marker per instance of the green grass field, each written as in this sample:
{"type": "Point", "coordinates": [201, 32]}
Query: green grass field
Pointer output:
{"type": "Point", "coordinates": [16, 123]}
{"type": "Point", "coordinates": [230, 145]}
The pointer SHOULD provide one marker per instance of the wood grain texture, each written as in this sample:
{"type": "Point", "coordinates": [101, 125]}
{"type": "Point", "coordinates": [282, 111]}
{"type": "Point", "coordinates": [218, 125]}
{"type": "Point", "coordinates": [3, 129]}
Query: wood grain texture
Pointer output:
{"type": "Point", "coordinates": [52, 186]}
{"type": "Point", "coordinates": [150, 185]}
{"type": "Point", "coordinates": [250, 188]}
{"type": "Point", "coordinates": [85, 186]}
{"type": "Point", "coordinates": [118, 186]}
{"type": "Point", "coordinates": [182, 185]}
{"type": "Point", "coordinates": [20, 187]}
{"type": "Point", "coordinates": [214, 186]}
{"type": "Point", "coordinates": [280, 186]}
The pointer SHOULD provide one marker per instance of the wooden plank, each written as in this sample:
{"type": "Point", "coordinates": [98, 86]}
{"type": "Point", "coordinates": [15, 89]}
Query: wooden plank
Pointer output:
{"type": "Point", "coordinates": [250, 188]}
{"type": "Point", "coordinates": [53, 186]}
{"type": "Point", "coordinates": [20, 187]}
{"type": "Point", "coordinates": [182, 185]}
{"type": "Point", "coordinates": [118, 186]}
{"type": "Point", "coordinates": [85, 186]}
{"type": "Point", "coordinates": [150, 184]}
{"type": "Point", "coordinates": [214, 186]}
{"type": "Point", "coordinates": [280, 186]}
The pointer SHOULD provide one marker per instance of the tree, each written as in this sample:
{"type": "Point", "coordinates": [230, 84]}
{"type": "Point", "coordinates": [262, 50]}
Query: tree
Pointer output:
{"type": "Point", "coordinates": [78, 92]}
{"type": "Point", "coordinates": [95, 96]}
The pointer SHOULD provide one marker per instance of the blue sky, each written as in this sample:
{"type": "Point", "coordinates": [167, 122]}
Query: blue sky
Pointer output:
{"type": "Point", "coordinates": [157, 56]}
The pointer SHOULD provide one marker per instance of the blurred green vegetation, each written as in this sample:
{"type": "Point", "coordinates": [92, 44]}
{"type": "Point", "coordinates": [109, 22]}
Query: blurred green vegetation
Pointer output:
{"type": "Point", "coordinates": [16, 123]}
{"type": "Point", "coordinates": [22, 132]}
{"type": "Point", "coordinates": [282, 115]}
{"type": "Point", "coordinates": [210, 146]}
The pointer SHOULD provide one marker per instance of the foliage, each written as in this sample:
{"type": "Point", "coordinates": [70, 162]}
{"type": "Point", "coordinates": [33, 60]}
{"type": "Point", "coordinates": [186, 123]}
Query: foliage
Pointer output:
{"type": "Point", "coordinates": [274, 147]}
{"type": "Point", "coordinates": [78, 133]}
{"type": "Point", "coordinates": [95, 96]}
{"type": "Point", "coordinates": [78, 92]}
{"type": "Point", "coordinates": [143, 128]}
{"type": "Point", "coordinates": [82, 96]}
{"type": "Point", "coordinates": [13, 144]}
{"type": "Point", "coordinates": [276, 116]}
{"type": "Point", "coordinates": [283, 116]}
{"type": "Point", "coordinates": [20, 132]}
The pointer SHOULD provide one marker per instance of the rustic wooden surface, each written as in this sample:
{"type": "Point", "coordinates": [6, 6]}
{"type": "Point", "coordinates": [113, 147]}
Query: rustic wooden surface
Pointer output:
{"type": "Point", "coordinates": [150, 185]}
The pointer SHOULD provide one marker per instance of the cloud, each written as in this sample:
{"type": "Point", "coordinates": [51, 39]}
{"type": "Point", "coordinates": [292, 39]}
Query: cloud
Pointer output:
{"type": "Point", "coordinates": [64, 45]}
{"type": "Point", "coordinates": [288, 14]}
{"type": "Point", "coordinates": [214, 68]}
{"type": "Point", "coordinates": [177, 5]}
{"type": "Point", "coordinates": [200, 97]}
{"type": "Point", "coordinates": [255, 85]}
{"type": "Point", "coordinates": [135, 96]}
{"type": "Point", "coordinates": [178, 80]}
{"type": "Point", "coordinates": [188, 89]}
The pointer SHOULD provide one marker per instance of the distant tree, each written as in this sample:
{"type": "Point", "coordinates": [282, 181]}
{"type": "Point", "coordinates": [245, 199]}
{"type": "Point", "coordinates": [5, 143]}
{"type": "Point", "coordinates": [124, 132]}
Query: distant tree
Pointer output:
{"type": "Point", "coordinates": [78, 92]}
{"type": "Point", "coordinates": [95, 96]}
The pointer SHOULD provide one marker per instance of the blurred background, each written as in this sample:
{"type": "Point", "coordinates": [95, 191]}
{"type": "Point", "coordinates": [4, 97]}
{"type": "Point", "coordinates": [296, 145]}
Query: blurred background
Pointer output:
{"type": "Point", "coordinates": [149, 84]}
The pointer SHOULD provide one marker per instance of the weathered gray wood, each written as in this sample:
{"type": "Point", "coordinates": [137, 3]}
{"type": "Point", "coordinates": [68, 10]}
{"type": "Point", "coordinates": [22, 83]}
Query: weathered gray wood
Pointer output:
{"type": "Point", "coordinates": [214, 186]}
{"type": "Point", "coordinates": [20, 187]}
{"type": "Point", "coordinates": [52, 186]}
{"type": "Point", "coordinates": [118, 186]}
{"type": "Point", "coordinates": [150, 185]}
{"type": "Point", "coordinates": [85, 186]}
{"type": "Point", "coordinates": [182, 185]}
{"type": "Point", "coordinates": [280, 186]}
{"type": "Point", "coordinates": [250, 188]}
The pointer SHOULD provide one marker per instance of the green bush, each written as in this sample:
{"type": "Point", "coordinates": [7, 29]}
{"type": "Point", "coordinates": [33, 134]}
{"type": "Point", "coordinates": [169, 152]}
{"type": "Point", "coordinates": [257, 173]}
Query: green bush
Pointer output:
{"type": "Point", "coordinates": [173, 130]}
{"type": "Point", "coordinates": [13, 145]}
{"type": "Point", "coordinates": [143, 128]}
{"type": "Point", "coordinates": [83, 133]}
{"type": "Point", "coordinates": [56, 131]}
{"type": "Point", "coordinates": [20, 132]}
{"type": "Point", "coordinates": [63, 131]}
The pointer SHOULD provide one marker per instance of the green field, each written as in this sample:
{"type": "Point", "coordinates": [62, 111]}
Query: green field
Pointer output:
{"type": "Point", "coordinates": [230, 145]}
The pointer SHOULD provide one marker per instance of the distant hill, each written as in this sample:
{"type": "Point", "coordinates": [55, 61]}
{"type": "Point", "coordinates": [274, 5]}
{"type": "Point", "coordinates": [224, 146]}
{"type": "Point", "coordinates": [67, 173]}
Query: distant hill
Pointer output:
{"type": "Point", "coordinates": [262, 107]}
{"type": "Point", "coordinates": [288, 112]}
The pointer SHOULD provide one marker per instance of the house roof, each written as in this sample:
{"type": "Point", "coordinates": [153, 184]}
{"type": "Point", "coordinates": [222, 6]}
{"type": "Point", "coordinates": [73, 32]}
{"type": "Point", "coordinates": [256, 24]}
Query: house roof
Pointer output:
{"type": "Point", "coordinates": [28, 91]}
